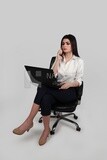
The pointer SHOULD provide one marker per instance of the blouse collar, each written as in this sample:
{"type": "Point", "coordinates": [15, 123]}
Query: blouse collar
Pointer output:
{"type": "Point", "coordinates": [73, 58]}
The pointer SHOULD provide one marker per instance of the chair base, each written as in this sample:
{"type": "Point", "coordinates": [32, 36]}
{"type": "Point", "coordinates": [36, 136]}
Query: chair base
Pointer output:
{"type": "Point", "coordinates": [59, 116]}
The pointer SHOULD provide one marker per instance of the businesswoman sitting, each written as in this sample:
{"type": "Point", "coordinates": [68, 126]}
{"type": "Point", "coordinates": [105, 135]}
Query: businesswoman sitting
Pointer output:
{"type": "Point", "coordinates": [68, 68]}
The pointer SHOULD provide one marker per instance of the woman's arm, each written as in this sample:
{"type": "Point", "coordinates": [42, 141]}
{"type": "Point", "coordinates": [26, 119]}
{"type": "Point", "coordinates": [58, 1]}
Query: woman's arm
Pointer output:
{"type": "Point", "coordinates": [56, 64]}
{"type": "Point", "coordinates": [67, 85]}
{"type": "Point", "coordinates": [74, 84]}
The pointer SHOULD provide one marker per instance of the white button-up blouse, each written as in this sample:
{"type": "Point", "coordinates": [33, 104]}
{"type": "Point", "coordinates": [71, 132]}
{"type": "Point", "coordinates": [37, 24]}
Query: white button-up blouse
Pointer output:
{"type": "Point", "coordinates": [71, 71]}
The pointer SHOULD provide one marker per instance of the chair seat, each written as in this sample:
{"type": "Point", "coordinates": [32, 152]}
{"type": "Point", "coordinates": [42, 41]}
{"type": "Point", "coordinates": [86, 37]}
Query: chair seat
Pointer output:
{"type": "Point", "coordinates": [65, 107]}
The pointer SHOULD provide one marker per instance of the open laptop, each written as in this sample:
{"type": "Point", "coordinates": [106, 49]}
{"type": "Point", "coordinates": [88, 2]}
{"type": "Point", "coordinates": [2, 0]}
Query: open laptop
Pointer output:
{"type": "Point", "coordinates": [42, 76]}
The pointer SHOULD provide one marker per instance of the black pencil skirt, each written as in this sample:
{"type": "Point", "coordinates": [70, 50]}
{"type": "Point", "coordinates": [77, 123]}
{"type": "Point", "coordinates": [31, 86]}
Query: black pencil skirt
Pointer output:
{"type": "Point", "coordinates": [46, 97]}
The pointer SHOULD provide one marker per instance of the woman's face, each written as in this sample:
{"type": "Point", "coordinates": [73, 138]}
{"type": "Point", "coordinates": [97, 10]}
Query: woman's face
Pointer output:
{"type": "Point", "coordinates": [66, 46]}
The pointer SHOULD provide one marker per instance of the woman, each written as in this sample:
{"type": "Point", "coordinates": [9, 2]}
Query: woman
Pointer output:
{"type": "Point", "coordinates": [68, 68]}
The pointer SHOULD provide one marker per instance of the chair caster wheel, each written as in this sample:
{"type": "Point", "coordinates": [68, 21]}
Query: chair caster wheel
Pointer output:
{"type": "Point", "coordinates": [52, 132]}
{"type": "Point", "coordinates": [75, 117]}
{"type": "Point", "coordinates": [78, 129]}
{"type": "Point", "coordinates": [40, 120]}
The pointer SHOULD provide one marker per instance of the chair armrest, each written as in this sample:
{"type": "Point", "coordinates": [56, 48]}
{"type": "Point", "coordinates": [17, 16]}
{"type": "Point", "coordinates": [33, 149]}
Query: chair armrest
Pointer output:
{"type": "Point", "coordinates": [79, 91]}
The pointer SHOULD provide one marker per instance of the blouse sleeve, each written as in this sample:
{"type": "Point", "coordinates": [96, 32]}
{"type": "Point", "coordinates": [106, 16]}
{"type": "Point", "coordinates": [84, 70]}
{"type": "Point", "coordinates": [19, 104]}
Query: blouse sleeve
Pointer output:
{"type": "Point", "coordinates": [80, 71]}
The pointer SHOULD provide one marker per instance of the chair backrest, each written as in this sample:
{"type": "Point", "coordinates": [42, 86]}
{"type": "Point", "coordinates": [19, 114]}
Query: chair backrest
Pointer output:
{"type": "Point", "coordinates": [79, 90]}
{"type": "Point", "coordinates": [52, 61]}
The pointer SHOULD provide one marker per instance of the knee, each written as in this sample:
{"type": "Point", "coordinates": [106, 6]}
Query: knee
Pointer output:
{"type": "Point", "coordinates": [45, 99]}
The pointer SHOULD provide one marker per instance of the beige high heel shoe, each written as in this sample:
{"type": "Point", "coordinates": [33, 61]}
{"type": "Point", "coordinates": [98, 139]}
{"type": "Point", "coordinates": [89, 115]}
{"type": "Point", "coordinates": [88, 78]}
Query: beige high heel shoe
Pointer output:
{"type": "Point", "coordinates": [18, 131]}
{"type": "Point", "coordinates": [43, 138]}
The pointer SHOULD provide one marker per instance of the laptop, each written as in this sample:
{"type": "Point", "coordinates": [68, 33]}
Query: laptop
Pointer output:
{"type": "Point", "coordinates": [42, 76]}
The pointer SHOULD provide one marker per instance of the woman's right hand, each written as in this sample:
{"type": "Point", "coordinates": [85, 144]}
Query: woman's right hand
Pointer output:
{"type": "Point", "coordinates": [57, 61]}
{"type": "Point", "coordinates": [59, 55]}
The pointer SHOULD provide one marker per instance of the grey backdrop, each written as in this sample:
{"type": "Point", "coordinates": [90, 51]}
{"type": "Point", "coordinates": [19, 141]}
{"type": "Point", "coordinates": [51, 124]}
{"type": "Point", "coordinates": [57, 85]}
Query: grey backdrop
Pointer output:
{"type": "Point", "coordinates": [30, 33]}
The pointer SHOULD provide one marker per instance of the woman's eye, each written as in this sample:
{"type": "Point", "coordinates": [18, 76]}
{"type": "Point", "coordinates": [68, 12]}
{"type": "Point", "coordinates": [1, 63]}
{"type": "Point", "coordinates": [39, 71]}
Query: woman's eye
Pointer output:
{"type": "Point", "coordinates": [68, 43]}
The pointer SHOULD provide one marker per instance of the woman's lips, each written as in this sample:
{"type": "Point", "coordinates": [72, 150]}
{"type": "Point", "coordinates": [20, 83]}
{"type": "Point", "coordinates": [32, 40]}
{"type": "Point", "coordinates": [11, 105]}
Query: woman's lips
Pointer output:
{"type": "Point", "coordinates": [65, 49]}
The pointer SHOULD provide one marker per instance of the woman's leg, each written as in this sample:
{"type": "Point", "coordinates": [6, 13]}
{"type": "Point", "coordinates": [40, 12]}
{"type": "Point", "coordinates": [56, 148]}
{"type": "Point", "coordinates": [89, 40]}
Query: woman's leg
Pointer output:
{"type": "Point", "coordinates": [46, 131]}
{"type": "Point", "coordinates": [47, 102]}
{"type": "Point", "coordinates": [33, 112]}
{"type": "Point", "coordinates": [28, 123]}
{"type": "Point", "coordinates": [63, 95]}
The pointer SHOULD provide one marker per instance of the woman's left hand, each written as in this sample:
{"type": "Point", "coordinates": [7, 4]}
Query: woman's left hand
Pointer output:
{"type": "Point", "coordinates": [65, 85]}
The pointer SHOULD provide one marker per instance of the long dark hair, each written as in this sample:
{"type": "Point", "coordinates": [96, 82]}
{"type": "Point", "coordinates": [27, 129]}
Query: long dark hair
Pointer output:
{"type": "Point", "coordinates": [73, 42]}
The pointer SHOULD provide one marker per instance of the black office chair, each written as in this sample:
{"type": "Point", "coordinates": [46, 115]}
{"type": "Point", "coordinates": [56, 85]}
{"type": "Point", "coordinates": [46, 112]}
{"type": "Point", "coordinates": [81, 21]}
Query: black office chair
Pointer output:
{"type": "Point", "coordinates": [59, 109]}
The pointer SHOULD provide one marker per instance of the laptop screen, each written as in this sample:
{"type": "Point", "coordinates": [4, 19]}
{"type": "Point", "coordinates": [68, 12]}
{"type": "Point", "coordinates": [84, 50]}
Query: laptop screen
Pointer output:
{"type": "Point", "coordinates": [41, 75]}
